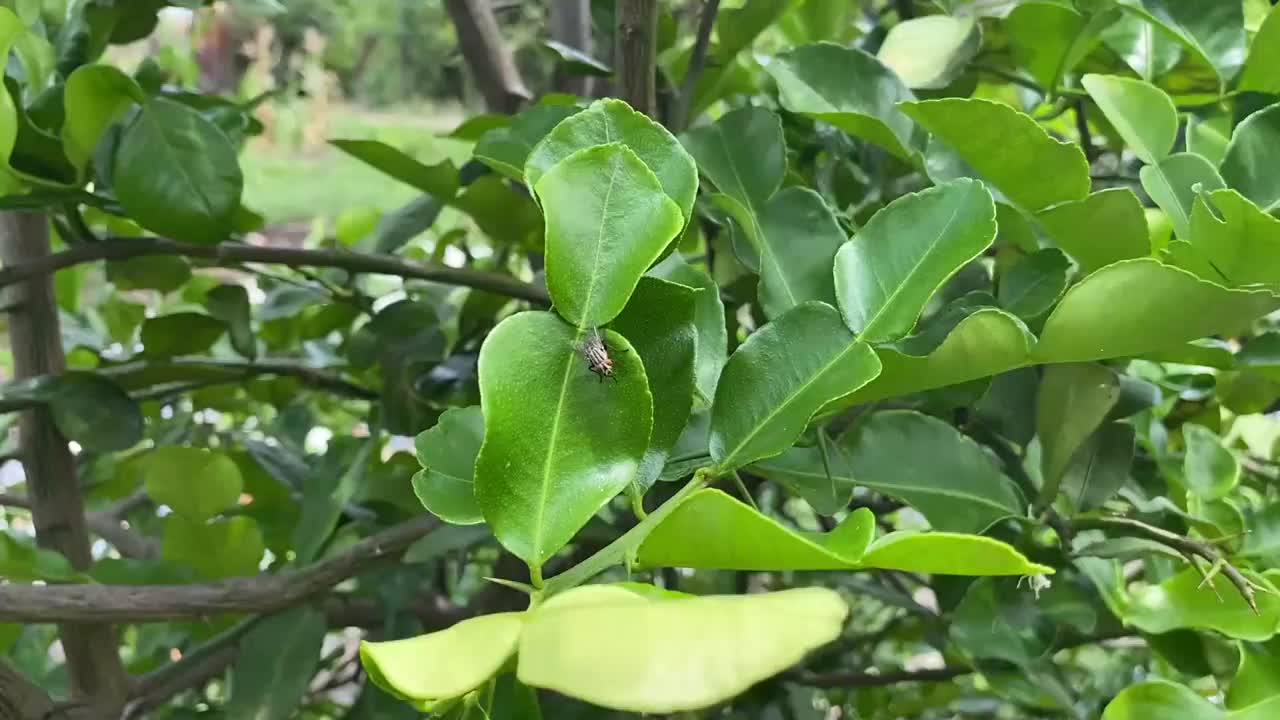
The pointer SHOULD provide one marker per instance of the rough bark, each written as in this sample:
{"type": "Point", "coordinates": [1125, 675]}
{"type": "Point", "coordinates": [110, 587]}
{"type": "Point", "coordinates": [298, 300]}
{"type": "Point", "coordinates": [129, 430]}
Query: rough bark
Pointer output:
{"type": "Point", "coordinates": [95, 673]}
{"type": "Point", "coordinates": [636, 54]}
{"type": "Point", "coordinates": [488, 55]}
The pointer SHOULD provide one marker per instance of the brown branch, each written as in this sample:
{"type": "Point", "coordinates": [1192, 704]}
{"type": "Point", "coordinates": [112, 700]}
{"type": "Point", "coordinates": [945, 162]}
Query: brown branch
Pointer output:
{"type": "Point", "coordinates": [108, 525]}
{"type": "Point", "coordinates": [20, 699]}
{"type": "Point", "coordinates": [236, 371]}
{"type": "Point", "coordinates": [488, 55]}
{"type": "Point", "coordinates": [151, 603]}
{"type": "Point", "coordinates": [636, 53]}
{"type": "Point", "coordinates": [95, 673]}
{"type": "Point", "coordinates": [1184, 545]}
{"type": "Point", "coordinates": [231, 254]}
{"type": "Point", "coordinates": [697, 61]}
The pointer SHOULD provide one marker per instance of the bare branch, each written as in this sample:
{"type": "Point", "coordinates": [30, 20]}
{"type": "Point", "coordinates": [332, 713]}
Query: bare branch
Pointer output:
{"type": "Point", "coordinates": [108, 525]}
{"type": "Point", "coordinates": [636, 54]}
{"type": "Point", "coordinates": [697, 61]}
{"type": "Point", "coordinates": [150, 603]}
{"type": "Point", "coordinates": [488, 55]}
{"type": "Point", "coordinates": [236, 371]}
{"type": "Point", "coordinates": [94, 670]}
{"type": "Point", "coordinates": [232, 254]}
{"type": "Point", "coordinates": [21, 699]}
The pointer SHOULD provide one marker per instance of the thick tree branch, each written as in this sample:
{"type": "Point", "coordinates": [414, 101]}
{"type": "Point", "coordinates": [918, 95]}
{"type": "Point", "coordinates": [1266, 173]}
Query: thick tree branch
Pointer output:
{"type": "Point", "coordinates": [636, 54]}
{"type": "Point", "coordinates": [20, 699]}
{"type": "Point", "coordinates": [229, 254]}
{"type": "Point", "coordinates": [697, 61]}
{"type": "Point", "coordinates": [150, 603]}
{"type": "Point", "coordinates": [94, 670]}
{"type": "Point", "coordinates": [488, 55]}
{"type": "Point", "coordinates": [229, 371]}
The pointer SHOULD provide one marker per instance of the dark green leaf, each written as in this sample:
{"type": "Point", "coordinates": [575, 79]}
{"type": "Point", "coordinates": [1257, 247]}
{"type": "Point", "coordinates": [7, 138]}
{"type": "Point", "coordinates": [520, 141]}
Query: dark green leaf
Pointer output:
{"type": "Point", "coordinates": [1254, 149]}
{"type": "Point", "coordinates": [708, 317]}
{"type": "Point", "coordinates": [1072, 402]}
{"type": "Point", "coordinates": [1100, 466]}
{"type": "Point", "coordinates": [176, 173]}
{"type": "Point", "coordinates": [275, 665]}
{"type": "Point", "coordinates": [230, 304]}
{"type": "Point", "coordinates": [1033, 286]}
{"type": "Point", "coordinates": [505, 149]}
{"type": "Point", "coordinates": [998, 619]}
{"type": "Point", "coordinates": [183, 333]}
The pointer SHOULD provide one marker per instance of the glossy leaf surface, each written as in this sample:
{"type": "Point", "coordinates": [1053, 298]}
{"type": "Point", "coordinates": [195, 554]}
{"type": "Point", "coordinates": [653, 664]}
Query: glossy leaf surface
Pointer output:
{"type": "Point", "coordinates": [447, 452]}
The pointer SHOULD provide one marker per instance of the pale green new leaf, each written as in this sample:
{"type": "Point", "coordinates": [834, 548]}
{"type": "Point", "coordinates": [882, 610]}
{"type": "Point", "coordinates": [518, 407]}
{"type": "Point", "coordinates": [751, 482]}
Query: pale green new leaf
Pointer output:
{"type": "Point", "coordinates": [929, 52]}
{"type": "Point", "coordinates": [194, 482]}
{"type": "Point", "coordinates": [1210, 470]}
{"type": "Point", "coordinates": [940, 553]}
{"type": "Point", "coordinates": [95, 97]}
{"type": "Point", "coordinates": [1259, 73]}
{"type": "Point", "coordinates": [779, 377]}
{"type": "Point", "coordinates": [559, 442]}
{"type": "Point", "coordinates": [607, 221]}
{"type": "Point", "coordinates": [1175, 183]}
{"type": "Point", "coordinates": [666, 654]}
{"type": "Point", "coordinates": [445, 664]}
{"type": "Point", "coordinates": [1106, 227]}
{"type": "Point", "coordinates": [894, 264]}
{"type": "Point", "coordinates": [1232, 241]}
{"type": "Point", "coordinates": [1183, 601]}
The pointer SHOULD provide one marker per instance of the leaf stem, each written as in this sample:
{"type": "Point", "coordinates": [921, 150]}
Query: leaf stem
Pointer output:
{"type": "Point", "coordinates": [615, 552]}
{"type": "Point", "coordinates": [742, 489]}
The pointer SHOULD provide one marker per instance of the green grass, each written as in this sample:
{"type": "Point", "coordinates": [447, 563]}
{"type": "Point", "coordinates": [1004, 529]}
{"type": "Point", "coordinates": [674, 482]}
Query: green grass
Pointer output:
{"type": "Point", "coordinates": [290, 184]}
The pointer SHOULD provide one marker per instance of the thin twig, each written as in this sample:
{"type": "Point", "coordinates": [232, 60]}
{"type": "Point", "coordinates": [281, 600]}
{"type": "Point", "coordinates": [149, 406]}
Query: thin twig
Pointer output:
{"type": "Point", "coordinates": [234, 254]}
{"type": "Point", "coordinates": [1180, 543]}
{"type": "Point", "coordinates": [697, 61]}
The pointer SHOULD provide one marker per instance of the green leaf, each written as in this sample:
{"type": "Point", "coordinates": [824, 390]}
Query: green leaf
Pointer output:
{"type": "Point", "coordinates": [1208, 137]}
{"type": "Point", "coordinates": [759, 542]}
{"type": "Point", "coordinates": [607, 222]}
{"type": "Point", "coordinates": [895, 263]}
{"type": "Point", "coordinates": [1214, 30]}
{"type": "Point", "coordinates": [1103, 315]}
{"type": "Point", "coordinates": [929, 52]}
{"type": "Point", "coordinates": [1100, 466]}
{"type": "Point", "coordinates": [658, 322]}
{"type": "Point", "coordinates": [1210, 470]}
{"type": "Point", "coordinates": [613, 121]}
{"type": "Point", "coordinates": [1106, 227]}
{"type": "Point", "coordinates": [230, 304]}
{"type": "Point", "coordinates": [1252, 154]}
{"type": "Point", "coordinates": [955, 485]}
{"type": "Point", "coordinates": [163, 273]}
{"type": "Point", "coordinates": [559, 442]}
{"type": "Point", "coordinates": [779, 377]}
{"type": "Point", "coordinates": [1007, 149]}
{"type": "Point", "coordinates": [505, 149]}
{"type": "Point", "coordinates": [1258, 677]}
{"type": "Point", "coordinates": [667, 655]}
{"type": "Point", "coordinates": [1072, 402]}
{"type": "Point", "coordinates": [576, 62]}
{"type": "Point", "coordinates": [95, 97]}
{"type": "Point", "coordinates": [708, 317]}
{"type": "Point", "coordinates": [1148, 51]}
{"type": "Point", "coordinates": [447, 452]}
{"type": "Point", "coordinates": [275, 665]}
{"type": "Point", "coordinates": [1183, 601]}
{"type": "Point", "coordinates": [985, 343]}
{"type": "Point", "coordinates": [1175, 183]}
{"type": "Point", "coordinates": [1049, 39]}
{"type": "Point", "coordinates": [1232, 241]}
{"type": "Point", "coordinates": [218, 549]}
{"type": "Point", "coordinates": [21, 562]}
{"type": "Point", "coordinates": [93, 411]}
{"type": "Point", "coordinates": [181, 333]}
{"type": "Point", "coordinates": [1259, 73]}
{"type": "Point", "coordinates": [749, 178]}
{"type": "Point", "coordinates": [196, 483]}
{"type": "Point", "coordinates": [445, 664]}
{"type": "Point", "coordinates": [176, 173]}
{"type": "Point", "coordinates": [940, 553]}
{"type": "Point", "coordinates": [439, 180]}
{"type": "Point", "coordinates": [1263, 538]}
{"type": "Point", "coordinates": [328, 492]}
{"type": "Point", "coordinates": [1000, 620]}
{"type": "Point", "coordinates": [1161, 699]}
{"type": "Point", "coordinates": [1034, 284]}
{"type": "Point", "coordinates": [1141, 113]}
{"type": "Point", "coordinates": [849, 89]}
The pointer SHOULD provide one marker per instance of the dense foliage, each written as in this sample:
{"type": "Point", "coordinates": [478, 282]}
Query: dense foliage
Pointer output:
{"type": "Point", "coordinates": [913, 360]}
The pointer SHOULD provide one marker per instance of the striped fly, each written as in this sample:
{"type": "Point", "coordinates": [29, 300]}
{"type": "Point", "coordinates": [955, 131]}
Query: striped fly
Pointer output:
{"type": "Point", "coordinates": [596, 353]}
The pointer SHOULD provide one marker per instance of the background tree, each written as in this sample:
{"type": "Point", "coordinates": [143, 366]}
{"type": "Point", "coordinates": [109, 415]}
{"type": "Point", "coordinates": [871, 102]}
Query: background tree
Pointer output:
{"type": "Point", "coordinates": [902, 359]}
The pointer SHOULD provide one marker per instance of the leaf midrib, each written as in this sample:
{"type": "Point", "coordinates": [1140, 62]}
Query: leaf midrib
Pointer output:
{"type": "Point", "coordinates": [545, 488]}
{"type": "Point", "coordinates": [977, 499]}
{"type": "Point", "coordinates": [172, 161]}
{"type": "Point", "coordinates": [911, 274]}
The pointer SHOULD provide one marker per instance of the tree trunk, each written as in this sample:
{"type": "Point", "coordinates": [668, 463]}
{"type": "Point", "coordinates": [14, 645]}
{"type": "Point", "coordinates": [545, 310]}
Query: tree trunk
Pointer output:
{"type": "Point", "coordinates": [95, 673]}
{"type": "Point", "coordinates": [487, 55]}
{"type": "Point", "coordinates": [570, 22]}
{"type": "Point", "coordinates": [636, 54]}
